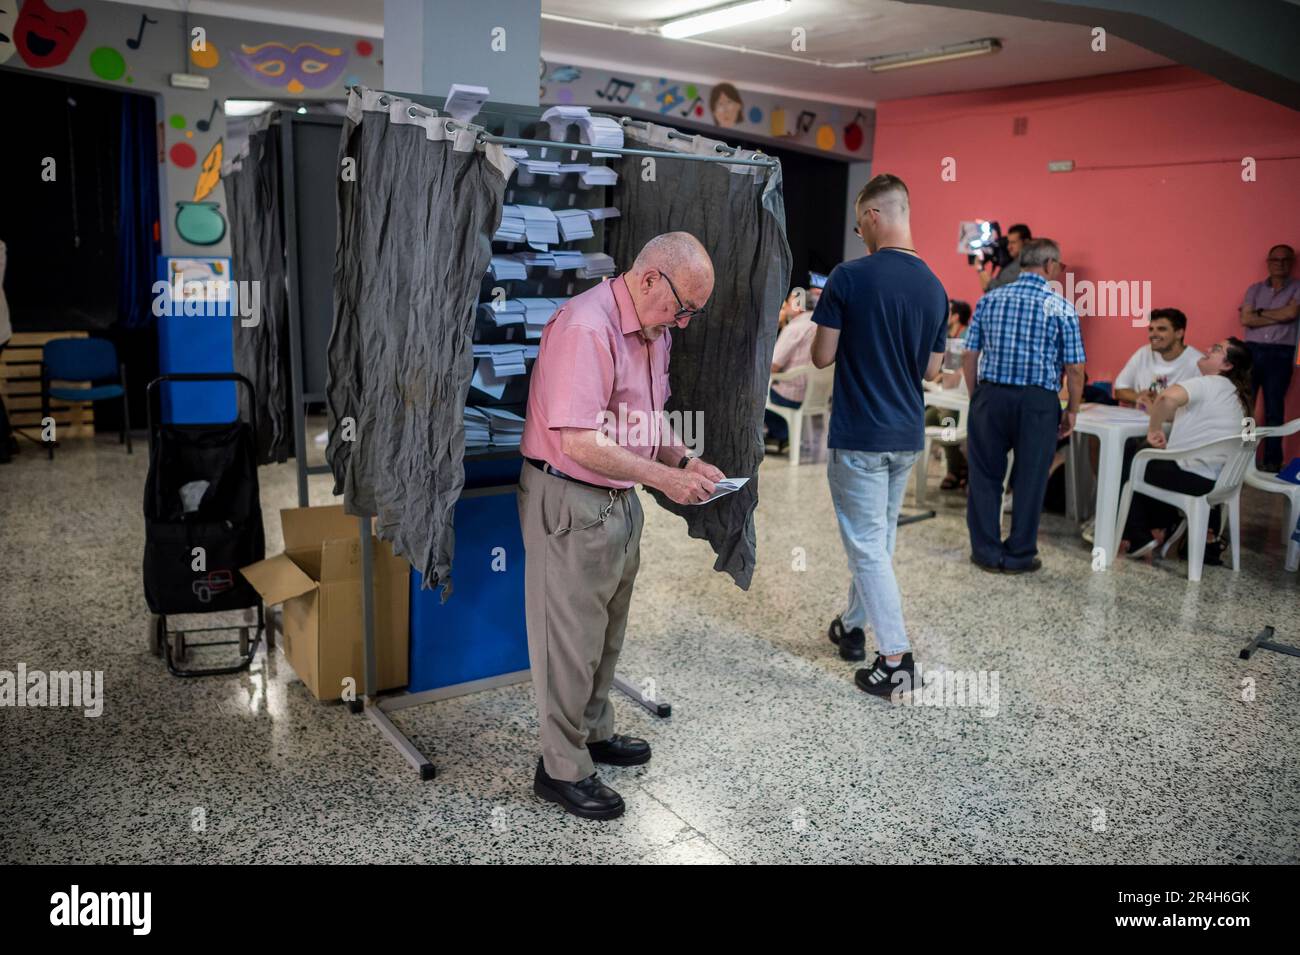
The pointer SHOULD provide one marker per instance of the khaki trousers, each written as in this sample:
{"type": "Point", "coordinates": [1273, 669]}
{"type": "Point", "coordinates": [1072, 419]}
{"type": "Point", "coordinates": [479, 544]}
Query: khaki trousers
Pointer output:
{"type": "Point", "coordinates": [582, 553]}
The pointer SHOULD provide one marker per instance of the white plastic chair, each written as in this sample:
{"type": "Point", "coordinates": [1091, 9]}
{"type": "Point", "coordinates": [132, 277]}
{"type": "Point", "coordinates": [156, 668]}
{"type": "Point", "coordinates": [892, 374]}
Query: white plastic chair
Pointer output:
{"type": "Point", "coordinates": [1197, 507]}
{"type": "Point", "coordinates": [945, 435]}
{"type": "Point", "coordinates": [816, 401]}
{"type": "Point", "coordinates": [1275, 485]}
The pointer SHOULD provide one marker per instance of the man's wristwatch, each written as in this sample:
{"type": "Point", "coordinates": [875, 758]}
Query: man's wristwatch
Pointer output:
{"type": "Point", "coordinates": [687, 458]}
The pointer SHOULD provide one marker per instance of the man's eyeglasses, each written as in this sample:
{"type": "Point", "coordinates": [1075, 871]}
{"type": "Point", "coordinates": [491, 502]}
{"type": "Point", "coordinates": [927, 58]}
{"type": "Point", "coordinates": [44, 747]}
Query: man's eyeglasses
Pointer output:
{"type": "Point", "coordinates": [682, 310]}
{"type": "Point", "coordinates": [857, 229]}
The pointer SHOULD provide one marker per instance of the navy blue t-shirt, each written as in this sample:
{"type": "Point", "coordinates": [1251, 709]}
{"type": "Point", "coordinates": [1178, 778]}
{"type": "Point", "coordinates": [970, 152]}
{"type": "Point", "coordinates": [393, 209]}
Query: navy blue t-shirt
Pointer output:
{"type": "Point", "coordinates": [892, 313]}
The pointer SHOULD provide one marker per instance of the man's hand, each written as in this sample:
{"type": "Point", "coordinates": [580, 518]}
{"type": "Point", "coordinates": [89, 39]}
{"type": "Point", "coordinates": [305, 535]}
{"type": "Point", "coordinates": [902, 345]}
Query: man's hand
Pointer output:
{"type": "Point", "coordinates": [700, 466]}
{"type": "Point", "coordinates": [1066, 426]}
{"type": "Point", "coordinates": [1156, 438]}
{"type": "Point", "coordinates": [687, 485]}
{"type": "Point", "coordinates": [1144, 401]}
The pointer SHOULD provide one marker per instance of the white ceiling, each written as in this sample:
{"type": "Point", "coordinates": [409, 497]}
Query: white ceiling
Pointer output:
{"type": "Point", "coordinates": [837, 31]}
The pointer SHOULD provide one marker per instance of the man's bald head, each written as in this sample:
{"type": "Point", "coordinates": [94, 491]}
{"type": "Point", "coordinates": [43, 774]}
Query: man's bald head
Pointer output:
{"type": "Point", "coordinates": [679, 258]}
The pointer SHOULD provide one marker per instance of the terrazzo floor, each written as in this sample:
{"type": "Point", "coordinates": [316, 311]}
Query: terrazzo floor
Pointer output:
{"type": "Point", "coordinates": [1126, 729]}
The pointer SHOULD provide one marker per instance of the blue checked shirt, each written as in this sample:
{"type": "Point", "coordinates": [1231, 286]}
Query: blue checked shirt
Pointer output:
{"type": "Point", "coordinates": [1025, 333]}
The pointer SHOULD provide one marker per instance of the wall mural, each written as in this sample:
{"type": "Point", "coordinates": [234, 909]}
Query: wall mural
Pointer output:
{"type": "Point", "coordinates": [846, 131]}
{"type": "Point", "coordinates": [140, 47]}
{"type": "Point", "coordinates": [46, 37]}
{"type": "Point", "coordinates": [8, 17]}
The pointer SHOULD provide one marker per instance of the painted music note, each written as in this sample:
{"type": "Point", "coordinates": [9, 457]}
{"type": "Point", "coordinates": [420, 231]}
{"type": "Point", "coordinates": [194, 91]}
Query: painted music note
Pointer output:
{"type": "Point", "coordinates": [134, 43]}
{"type": "Point", "coordinates": [690, 109]}
{"type": "Point", "coordinates": [204, 125]}
{"type": "Point", "coordinates": [804, 122]}
{"type": "Point", "coordinates": [613, 88]}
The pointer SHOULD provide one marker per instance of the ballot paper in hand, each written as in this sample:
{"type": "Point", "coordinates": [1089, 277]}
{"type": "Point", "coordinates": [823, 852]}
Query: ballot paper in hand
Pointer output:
{"type": "Point", "coordinates": [723, 488]}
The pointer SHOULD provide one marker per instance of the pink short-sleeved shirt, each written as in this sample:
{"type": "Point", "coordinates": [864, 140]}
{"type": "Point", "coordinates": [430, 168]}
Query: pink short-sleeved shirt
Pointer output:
{"type": "Point", "coordinates": [595, 371]}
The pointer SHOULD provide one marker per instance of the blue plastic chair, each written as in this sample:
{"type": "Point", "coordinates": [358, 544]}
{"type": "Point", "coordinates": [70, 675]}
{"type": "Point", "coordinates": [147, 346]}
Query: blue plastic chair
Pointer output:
{"type": "Point", "coordinates": [84, 359]}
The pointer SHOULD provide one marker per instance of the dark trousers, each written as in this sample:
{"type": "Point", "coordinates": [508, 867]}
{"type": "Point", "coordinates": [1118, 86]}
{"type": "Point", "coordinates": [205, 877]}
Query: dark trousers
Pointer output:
{"type": "Point", "coordinates": [1271, 373]}
{"type": "Point", "coordinates": [1007, 418]}
{"type": "Point", "coordinates": [1146, 513]}
{"type": "Point", "coordinates": [777, 428]}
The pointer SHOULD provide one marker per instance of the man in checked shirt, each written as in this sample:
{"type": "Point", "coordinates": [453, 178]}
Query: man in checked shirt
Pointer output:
{"type": "Point", "coordinates": [1021, 338]}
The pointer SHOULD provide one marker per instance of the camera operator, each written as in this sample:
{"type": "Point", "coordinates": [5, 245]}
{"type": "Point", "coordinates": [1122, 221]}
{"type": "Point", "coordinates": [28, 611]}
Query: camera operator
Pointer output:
{"type": "Point", "coordinates": [1006, 262]}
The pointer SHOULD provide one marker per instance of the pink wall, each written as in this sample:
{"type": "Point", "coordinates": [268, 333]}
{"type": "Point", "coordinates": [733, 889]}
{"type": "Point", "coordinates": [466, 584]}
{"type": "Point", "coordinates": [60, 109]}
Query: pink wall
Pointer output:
{"type": "Point", "coordinates": [1156, 193]}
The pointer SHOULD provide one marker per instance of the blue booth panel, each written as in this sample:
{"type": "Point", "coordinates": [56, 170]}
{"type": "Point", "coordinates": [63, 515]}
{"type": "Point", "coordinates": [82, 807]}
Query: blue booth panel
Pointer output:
{"type": "Point", "coordinates": [479, 632]}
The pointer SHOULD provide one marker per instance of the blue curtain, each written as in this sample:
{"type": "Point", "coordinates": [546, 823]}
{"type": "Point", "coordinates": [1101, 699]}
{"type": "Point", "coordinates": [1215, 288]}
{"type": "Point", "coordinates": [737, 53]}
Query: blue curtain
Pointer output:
{"type": "Point", "coordinates": [138, 218]}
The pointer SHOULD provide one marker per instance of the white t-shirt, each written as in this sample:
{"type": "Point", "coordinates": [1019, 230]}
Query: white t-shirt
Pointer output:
{"type": "Point", "coordinates": [1146, 368]}
{"type": "Point", "coordinates": [1212, 413]}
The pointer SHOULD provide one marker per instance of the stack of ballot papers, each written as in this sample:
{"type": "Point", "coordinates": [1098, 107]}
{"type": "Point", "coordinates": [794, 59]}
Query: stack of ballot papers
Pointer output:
{"type": "Point", "coordinates": [574, 224]}
{"type": "Point", "coordinates": [493, 364]}
{"type": "Point", "coordinates": [507, 312]}
{"type": "Point", "coordinates": [609, 212]}
{"type": "Point", "coordinates": [512, 225]}
{"type": "Point", "coordinates": [505, 267]}
{"type": "Point", "coordinates": [595, 265]}
{"type": "Point", "coordinates": [537, 312]}
{"type": "Point", "coordinates": [540, 167]}
{"type": "Point", "coordinates": [492, 426]}
{"type": "Point", "coordinates": [594, 130]}
{"type": "Point", "coordinates": [540, 226]}
{"type": "Point", "coordinates": [599, 176]}
{"type": "Point", "coordinates": [464, 101]}
{"type": "Point", "coordinates": [566, 259]}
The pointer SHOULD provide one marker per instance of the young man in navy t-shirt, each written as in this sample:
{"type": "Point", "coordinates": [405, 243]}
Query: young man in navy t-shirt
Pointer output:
{"type": "Point", "coordinates": [882, 320]}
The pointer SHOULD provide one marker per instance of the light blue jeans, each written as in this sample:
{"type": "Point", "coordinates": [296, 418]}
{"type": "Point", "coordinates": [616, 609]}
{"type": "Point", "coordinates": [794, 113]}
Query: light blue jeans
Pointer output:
{"type": "Point", "coordinates": [867, 490]}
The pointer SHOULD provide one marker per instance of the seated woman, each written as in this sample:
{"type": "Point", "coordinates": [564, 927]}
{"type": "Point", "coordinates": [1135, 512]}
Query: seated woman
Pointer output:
{"type": "Point", "coordinates": [1204, 409]}
{"type": "Point", "coordinates": [793, 349]}
{"type": "Point", "coordinates": [958, 324]}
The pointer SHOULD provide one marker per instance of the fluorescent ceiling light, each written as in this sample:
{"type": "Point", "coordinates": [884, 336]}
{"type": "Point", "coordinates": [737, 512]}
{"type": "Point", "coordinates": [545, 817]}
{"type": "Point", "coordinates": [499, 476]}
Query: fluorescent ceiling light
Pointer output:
{"type": "Point", "coordinates": [247, 107]}
{"type": "Point", "coordinates": [961, 51]}
{"type": "Point", "coordinates": [719, 17]}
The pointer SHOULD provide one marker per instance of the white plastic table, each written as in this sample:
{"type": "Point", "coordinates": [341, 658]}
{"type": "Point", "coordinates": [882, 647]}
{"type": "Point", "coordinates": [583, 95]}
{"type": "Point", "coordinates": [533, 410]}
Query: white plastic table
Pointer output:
{"type": "Point", "coordinates": [1113, 426]}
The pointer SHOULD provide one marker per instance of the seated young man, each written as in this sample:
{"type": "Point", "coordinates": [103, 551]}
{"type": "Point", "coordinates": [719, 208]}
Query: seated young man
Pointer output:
{"type": "Point", "coordinates": [793, 349]}
{"type": "Point", "coordinates": [1166, 361]}
{"type": "Point", "coordinates": [1204, 408]}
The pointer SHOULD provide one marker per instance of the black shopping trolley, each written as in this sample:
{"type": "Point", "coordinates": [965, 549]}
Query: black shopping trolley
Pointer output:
{"type": "Point", "coordinates": [202, 522]}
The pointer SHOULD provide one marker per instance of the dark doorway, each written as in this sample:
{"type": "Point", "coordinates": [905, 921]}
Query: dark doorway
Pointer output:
{"type": "Point", "coordinates": [80, 219]}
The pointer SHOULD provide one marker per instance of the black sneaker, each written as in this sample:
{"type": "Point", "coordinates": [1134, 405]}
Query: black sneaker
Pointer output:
{"type": "Point", "coordinates": [852, 643]}
{"type": "Point", "coordinates": [882, 679]}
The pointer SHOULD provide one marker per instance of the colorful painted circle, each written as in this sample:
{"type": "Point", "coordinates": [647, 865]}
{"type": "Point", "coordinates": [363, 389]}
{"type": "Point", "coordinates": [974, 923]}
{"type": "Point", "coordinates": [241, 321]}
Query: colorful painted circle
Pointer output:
{"type": "Point", "coordinates": [755, 114]}
{"type": "Point", "coordinates": [183, 155]}
{"type": "Point", "coordinates": [176, 121]}
{"type": "Point", "coordinates": [825, 137]}
{"type": "Point", "coordinates": [107, 63]}
{"type": "Point", "coordinates": [699, 110]}
{"type": "Point", "coordinates": [691, 91]}
{"type": "Point", "coordinates": [365, 48]}
{"type": "Point", "coordinates": [200, 223]}
{"type": "Point", "coordinates": [207, 58]}
{"type": "Point", "coordinates": [564, 95]}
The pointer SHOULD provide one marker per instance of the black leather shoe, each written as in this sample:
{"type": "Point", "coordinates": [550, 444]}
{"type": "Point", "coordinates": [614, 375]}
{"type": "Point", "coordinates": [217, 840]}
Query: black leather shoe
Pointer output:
{"type": "Point", "coordinates": [620, 751]}
{"type": "Point", "coordinates": [588, 798]}
{"type": "Point", "coordinates": [1029, 568]}
{"type": "Point", "coordinates": [852, 643]}
{"type": "Point", "coordinates": [987, 568]}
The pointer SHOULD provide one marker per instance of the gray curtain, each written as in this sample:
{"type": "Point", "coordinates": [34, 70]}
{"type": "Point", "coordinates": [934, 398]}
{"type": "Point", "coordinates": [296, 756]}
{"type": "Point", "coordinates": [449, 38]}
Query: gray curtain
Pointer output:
{"type": "Point", "coordinates": [417, 207]}
{"type": "Point", "coordinates": [720, 364]}
{"type": "Point", "coordinates": [257, 255]}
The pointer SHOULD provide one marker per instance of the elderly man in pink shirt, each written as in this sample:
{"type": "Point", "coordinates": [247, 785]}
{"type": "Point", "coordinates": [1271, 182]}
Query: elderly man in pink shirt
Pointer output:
{"type": "Point", "coordinates": [594, 429]}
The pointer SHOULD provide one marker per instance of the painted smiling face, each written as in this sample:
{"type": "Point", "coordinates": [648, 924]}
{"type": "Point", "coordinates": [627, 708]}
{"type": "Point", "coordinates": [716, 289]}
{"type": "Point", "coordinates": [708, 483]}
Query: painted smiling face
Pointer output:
{"type": "Point", "coordinates": [294, 69]}
{"type": "Point", "coordinates": [46, 37]}
{"type": "Point", "coordinates": [8, 14]}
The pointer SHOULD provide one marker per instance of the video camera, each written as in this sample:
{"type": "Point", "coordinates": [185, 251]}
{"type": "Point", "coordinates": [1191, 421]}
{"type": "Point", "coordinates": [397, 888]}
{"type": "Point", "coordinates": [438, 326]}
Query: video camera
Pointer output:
{"type": "Point", "coordinates": [983, 240]}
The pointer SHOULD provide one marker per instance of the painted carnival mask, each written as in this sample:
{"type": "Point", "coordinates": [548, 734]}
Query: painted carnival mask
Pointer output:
{"type": "Point", "coordinates": [305, 66]}
{"type": "Point", "coordinates": [45, 37]}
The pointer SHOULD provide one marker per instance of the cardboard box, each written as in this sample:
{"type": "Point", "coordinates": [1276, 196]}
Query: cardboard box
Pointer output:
{"type": "Point", "coordinates": [318, 579]}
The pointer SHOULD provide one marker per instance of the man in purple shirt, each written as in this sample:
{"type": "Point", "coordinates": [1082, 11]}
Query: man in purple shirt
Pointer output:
{"type": "Point", "coordinates": [1269, 313]}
